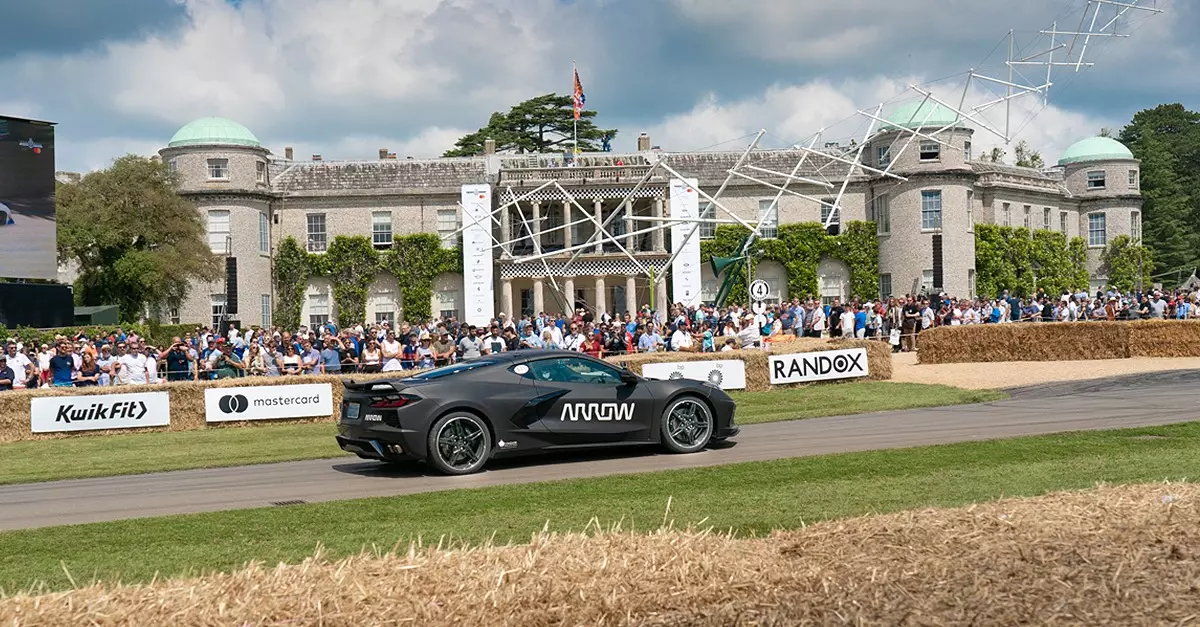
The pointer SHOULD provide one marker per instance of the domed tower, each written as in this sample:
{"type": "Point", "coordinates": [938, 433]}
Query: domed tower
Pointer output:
{"type": "Point", "coordinates": [926, 239]}
{"type": "Point", "coordinates": [222, 168]}
{"type": "Point", "coordinates": [1104, 177]}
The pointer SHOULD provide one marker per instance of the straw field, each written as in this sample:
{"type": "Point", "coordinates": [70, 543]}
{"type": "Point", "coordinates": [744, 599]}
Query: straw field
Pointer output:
{"type": "Point", "coordinates": [1111, 556]}
{"type": "Point", "coordinates": [1059, 341]}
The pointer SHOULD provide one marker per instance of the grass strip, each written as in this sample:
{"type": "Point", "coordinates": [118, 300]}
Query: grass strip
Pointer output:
{"type": "Point", "coordinates": [750, 498]}
{"type": "Point", "coordinates": [135, 453]}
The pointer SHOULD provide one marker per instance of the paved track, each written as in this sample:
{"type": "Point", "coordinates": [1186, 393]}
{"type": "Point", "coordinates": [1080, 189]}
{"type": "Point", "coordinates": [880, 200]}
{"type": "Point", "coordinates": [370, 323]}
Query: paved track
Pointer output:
{"type": "Point", "coordinates": [1140, 400]}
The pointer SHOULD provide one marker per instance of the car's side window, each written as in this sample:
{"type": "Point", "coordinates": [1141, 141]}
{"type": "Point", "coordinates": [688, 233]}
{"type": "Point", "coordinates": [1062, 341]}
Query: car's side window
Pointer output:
{"type": "Point", "coordinates": [573, 370]}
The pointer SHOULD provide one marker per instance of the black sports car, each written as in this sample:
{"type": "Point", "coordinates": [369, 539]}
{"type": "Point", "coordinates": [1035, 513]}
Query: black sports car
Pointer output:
{"type": "Point", "coordinates": [457, 417]}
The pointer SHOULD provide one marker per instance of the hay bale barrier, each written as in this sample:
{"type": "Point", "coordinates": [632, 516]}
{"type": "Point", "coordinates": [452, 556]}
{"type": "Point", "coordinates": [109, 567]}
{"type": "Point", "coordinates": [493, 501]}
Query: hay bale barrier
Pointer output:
{"type": "Point", "coordinates": [1059, 341]}
{"type": "Point", "coordinates": [1111, 556]}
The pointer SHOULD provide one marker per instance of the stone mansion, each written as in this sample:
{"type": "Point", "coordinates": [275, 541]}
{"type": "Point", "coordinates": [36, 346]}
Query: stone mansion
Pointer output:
{"type": "Point", "coordinates": [251, 199]}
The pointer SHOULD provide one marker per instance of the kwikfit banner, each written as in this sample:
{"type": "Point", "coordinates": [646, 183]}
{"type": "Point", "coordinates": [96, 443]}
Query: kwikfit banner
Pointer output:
{"type": "Point", "coordinates": [728, 374]}
{"type": "Point", "coordinates": [53, 414]}
{"type": "Point", "coordinates": [685, 239]}
{"type": "Point", "coordinates": [821, 366]}
{"type": "Point", "coordinates": [479, 299]}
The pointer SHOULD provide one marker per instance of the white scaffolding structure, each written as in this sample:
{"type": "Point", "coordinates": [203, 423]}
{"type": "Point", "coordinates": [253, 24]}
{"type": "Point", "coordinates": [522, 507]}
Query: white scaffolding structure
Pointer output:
{"type": "Point", "coordinates": [1054, 50]}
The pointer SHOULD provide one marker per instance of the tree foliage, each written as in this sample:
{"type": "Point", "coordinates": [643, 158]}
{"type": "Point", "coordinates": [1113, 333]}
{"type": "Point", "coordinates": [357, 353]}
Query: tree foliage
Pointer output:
{"type": "Point", "coordinates": [1023, 262]}
{"type": "Point", "coordinates": [1028, 157]}
{"type": "Point", "coordinates": [136, 242]}
{"type": "Point", "coordinates": [542, 124]}
{"type": "Point", "coordinates": [1126, 264]}
{"type": "Point", "coordinates": [1167, 141]}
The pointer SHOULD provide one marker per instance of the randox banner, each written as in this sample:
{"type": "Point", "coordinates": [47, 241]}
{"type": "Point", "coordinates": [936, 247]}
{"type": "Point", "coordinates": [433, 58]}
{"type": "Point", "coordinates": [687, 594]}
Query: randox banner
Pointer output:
{"type": "Point", "coordinates": [52, 414]}
{"type": "Point", "coordinates": [728, 374]}
{"type": "Point", "coordinates": [820, 366]}
{"type": "Point", "coordinates": [268, 402]}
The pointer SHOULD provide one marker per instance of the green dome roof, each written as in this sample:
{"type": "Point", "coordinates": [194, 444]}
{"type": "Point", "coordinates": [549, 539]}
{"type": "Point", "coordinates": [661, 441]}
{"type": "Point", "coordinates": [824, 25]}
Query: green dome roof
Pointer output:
{"type": "Point", "coordinates": [1095, 149]}
{"type": "Point", "coordinates": [917, 115]}
{"type": "Point", "coordinates": [214, 131]}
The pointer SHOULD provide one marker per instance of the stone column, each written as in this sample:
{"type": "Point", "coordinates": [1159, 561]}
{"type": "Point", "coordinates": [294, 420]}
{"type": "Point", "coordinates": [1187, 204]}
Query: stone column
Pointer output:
{"type": "Point", "coordinates": [539, 295]}
{"type": "Point", "coordinates": [569, 288]}
{"type": "Point", "coordinates": [631, 303]}
{"type": "Point", "coordinates": [661, 302]}
{"type": "Point", "coordinates": [658, 234]}
{"type": "Point", "coordinates": [629, 228]}
{"type": "Point", "coordinates": [601, 297]}
{"type": "Point", "coordinates": [535, 227]}
{"type": "Point", "coordinates": [567, 240]}
{"type": "Point", "coordinates": [506, 297]}
{"type": "Point", "coordinates": [599, 208]}
{"type": "Point", "coordinates": [506, 232]}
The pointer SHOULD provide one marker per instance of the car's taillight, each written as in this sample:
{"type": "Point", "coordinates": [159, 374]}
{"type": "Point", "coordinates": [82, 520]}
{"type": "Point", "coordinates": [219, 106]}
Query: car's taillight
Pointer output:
{"type": "Point", "coordinates": [393, 401]}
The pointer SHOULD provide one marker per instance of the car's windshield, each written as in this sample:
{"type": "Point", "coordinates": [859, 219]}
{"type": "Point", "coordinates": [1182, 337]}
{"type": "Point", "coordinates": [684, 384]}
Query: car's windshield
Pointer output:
{"type": "Point", "coordinates": [446, 371]}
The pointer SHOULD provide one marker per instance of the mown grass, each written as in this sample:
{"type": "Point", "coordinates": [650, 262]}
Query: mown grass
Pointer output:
{"type": "Point", "coordinates": [135, 453]}
{"type": "Point", "coordinates": [751, 498]}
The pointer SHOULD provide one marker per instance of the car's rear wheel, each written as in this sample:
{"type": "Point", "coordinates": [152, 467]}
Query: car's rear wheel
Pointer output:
{"type": "Point", "coordinates": [687, 425]}
{"type": "Point", "coordinates": [459, 444]}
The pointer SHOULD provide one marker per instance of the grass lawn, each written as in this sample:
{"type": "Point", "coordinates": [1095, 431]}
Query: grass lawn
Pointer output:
{"type": "Point", "coordinates": [751, 498]}
{"type": "Point", "coordinates": [135, 453]}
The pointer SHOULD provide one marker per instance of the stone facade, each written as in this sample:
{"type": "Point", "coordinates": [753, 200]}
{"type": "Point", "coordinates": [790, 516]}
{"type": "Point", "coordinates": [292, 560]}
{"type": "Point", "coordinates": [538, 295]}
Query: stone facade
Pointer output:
{"type": "Point", "coordinates": [268, 198]}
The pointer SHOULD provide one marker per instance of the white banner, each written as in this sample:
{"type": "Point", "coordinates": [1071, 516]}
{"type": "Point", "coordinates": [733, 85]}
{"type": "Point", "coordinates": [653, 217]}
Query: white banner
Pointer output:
{"type": "Point", "coordinates": [479, 298]}
{"type": "Point", "coordinates": [820, 366]}
{"type": "Point", "coordinates": [268, 402]}
{"type": "Point", "coordinates": [728, 374]}
{"type": "Point", "coordinates": [50, 414]}
{"type": "Point", "coordinates": [685, 271]}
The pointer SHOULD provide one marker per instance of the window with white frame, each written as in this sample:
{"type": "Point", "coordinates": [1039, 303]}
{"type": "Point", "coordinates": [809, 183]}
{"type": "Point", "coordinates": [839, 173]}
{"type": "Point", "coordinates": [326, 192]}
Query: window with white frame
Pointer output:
{"type": "Point", "coordinates": [827, 208]}
{"type": "Point", "coordinates": [1062, 222]}
{"type": "Point", "coordinates": [217, 307]}
{"type": "Point", "coordinates": [171, 166]}
{"type": "Point", "coordinates": [265, 310]}
{"type": "Point", "coordinates": [1007, 214]}
{"type": "Point", "coordinates": [447, 224]}
{"type": "Point", "coordinates": [448, 303]}
{"type": "Point", "coordinates": [885, 285]}
{"type": "Point", "coordinates": [970, 211]}
{"type": "Point", "coordinates": [967, 151]}
{"type": "Point", "coordinates": [385, 312]}
{"type": "Point", "coordinates": [318, 310]}
{"type": "Point", "coordinates": [927, 280]}
{"type": "Point", "coordinates": [930, 151]}
{"type": "Point", "coordinates": [1097, 229]}
{"type": "Point", "coordinates": [708, 211]}
{"type": "Point", "coordinates": [1046, 218]}
{"type": "Point", "coordinates": [1095, 179]}
{"type": "Point", "coordinates": [885, 155]}
{"type": "Point", "coordinates": [831, 288]}
{"type": "Point", "coordinates": [882, 213]}
{"type": "Point", "coordinates": [1028, 222]}
{"type": "Point", "coordinates": [931, 209]}
{"type": "Point", "coordinates": [1133, 179]}
{"type": "Point", "coordinates": [381, 229]}
{"type": "Point", "coordinates": [218, 231]}
{"type": "Point", "coordinates": [316, 232]}
{"type": "Point", "coordinates": [264, 233]}
{"type": "Point", "coordinates": [971, 282]}
{"type": "Point", "coordinates": [218, 169]}
{"type": "Point", "coordinates": [173, 315]}
{"type": "Point", "coordinates": [709, 289]}
{"type": "Point", "coordinates": [1135, 226]}
{"type": "Point", "coordinates": [260, 171]}
{"type": "Point", "coordinates": [768, 215]}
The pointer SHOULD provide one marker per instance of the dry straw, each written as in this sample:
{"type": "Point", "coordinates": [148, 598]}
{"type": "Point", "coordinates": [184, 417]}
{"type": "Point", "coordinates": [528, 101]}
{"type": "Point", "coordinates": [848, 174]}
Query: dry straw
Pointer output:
{"type": "Point", "coordinates": [1112, 556]}
{"type": "Point", "coordinates": [1059, 341]}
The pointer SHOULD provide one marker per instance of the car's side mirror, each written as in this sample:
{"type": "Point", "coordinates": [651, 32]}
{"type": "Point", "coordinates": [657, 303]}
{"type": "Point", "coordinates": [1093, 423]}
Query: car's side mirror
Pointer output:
{"type": "Point", "coordinates": [628, 378]}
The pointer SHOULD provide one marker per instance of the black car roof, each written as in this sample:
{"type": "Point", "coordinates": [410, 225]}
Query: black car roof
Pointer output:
{"type": "Point", "coordinates": [509, 357]}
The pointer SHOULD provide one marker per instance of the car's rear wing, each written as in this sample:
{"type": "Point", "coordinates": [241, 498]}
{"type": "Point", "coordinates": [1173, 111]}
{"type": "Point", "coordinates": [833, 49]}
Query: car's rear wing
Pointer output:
{"type": "Point", "coordinates": [369, 386]}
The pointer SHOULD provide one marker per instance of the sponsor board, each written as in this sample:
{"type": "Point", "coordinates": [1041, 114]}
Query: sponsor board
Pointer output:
{"type": "Point", "coordinates": [685, 241]}
{"type": "Point", "coordinates": [728, 374]}
{"type": "Point", "coordinates": [820, 366]}
{"type": "Point", "coordinates": [54, 414]}
{"type": "Point", "coordinates": [479, 300]}
{"type": "Point", "coordinates": [603, 412]}
{"type": "Point", "coordinates": [268, 402]}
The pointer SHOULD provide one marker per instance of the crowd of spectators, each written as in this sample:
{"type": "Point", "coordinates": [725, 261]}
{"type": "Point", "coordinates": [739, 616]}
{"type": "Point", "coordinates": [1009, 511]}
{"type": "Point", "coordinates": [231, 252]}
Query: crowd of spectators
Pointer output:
{"type": "Point", "coordinates": [122, 358]}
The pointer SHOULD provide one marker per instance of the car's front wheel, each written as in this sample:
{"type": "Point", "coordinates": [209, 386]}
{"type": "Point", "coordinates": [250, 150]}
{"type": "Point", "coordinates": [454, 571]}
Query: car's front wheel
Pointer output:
{"type": "Point", "coordinates": [687, 425]}
{"type": "Point", "coordinates": [459, 444]}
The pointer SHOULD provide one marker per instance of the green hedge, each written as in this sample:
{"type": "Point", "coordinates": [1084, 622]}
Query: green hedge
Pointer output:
{"type": "Point", "coordinates": [800, 247]}
{"type": "Point", "coordinates": [351, 263]}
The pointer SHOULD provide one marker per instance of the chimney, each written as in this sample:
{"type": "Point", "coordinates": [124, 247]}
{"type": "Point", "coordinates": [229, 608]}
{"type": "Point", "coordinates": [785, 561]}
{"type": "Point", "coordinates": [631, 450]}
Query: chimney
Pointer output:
{"type": "Point", "coordinates": [287, 153]}
{"type": "Point", "coordinates": [391, 155]}
{"type": "Point", "coordinates": [383, 153]}
{"type": "Point", "coordinates": [489, 146]}
{"type": "Point", "coordinates": [643, 142]}
{"type": "Point", "coordinates": [316, 157]}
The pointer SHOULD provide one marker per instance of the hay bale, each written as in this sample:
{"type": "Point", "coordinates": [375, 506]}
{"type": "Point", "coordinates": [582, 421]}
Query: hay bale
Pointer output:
{"type": "Point", "coordinates": [1026, 341]}
{"type": "Point", "coordinates": [1164, 338]}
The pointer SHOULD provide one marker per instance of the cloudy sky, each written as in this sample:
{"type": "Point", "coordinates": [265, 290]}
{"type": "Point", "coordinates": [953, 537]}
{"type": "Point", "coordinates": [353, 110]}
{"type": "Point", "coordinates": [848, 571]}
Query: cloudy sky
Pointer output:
{"type": "Point", "coordinates": [344, 78]}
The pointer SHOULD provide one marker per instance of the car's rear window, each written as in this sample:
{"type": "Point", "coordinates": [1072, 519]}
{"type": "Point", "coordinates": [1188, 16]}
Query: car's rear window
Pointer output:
{"type": "Point", "coordinates": [445, 371]}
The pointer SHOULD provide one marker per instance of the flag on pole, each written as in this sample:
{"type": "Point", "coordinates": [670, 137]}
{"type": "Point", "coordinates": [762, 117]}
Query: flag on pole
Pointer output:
{"type": "Point", "coordinates": [579, 98]}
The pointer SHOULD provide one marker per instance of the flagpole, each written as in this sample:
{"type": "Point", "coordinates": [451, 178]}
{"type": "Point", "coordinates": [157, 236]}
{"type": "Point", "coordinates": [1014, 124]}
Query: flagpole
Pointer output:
{"type": "Point", "coordinates": [575, 124]}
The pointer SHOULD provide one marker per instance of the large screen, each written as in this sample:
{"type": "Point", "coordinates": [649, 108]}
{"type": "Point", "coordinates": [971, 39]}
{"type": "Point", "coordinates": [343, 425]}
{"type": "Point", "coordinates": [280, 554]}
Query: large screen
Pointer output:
{"type": "Point", "coordinates": [28, 232]}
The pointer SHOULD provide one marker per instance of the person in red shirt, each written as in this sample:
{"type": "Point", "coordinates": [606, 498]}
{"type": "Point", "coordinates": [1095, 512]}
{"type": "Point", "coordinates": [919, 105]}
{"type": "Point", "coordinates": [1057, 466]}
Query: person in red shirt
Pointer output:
{"type": "Point", "coordinates": [593, 346]}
